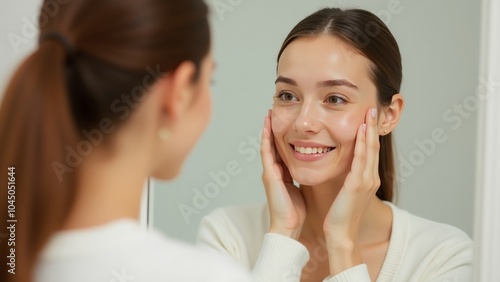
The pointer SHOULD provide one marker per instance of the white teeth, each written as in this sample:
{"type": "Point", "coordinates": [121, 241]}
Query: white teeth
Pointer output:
{"type": "Point", "coordinates": [311, 150]}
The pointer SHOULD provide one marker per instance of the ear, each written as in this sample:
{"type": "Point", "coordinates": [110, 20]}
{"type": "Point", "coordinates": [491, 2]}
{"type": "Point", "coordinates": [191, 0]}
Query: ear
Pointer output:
{"type": "Point", "coordinates": [176, 90]}
{"type": "Point", "coordinates": [391, 115]}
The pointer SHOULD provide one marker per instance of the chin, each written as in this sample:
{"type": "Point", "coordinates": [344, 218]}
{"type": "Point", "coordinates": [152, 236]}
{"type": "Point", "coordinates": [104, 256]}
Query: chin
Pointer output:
{"type": "Point", "coordinates": [313, 176]}
{"type": "Point", "coordinates": [307, 183]}
{"type": "Point", "coordinates": [307, 177]}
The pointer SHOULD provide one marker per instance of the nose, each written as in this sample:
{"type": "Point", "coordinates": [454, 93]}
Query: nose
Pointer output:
{"type": "Point", "coordinates": [307, 121]}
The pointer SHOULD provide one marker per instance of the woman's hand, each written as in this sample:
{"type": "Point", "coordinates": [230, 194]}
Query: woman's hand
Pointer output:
{"type": "Point", "coordinates": [285, 201]}
{"type": "Point", "coordinates": [342, 223]}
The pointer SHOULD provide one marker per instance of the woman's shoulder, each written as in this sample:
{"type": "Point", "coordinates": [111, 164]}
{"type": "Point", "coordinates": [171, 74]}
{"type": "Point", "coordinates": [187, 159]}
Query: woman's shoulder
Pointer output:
{"type": "Point", "coordinates": [243, 217]}
{"type": "Point", "coordinates": [421, 247]}
{"type": "Point", "coordinates": [242, 210]}
{"type": "Point", "coordinates": [426, 229]}
{"type": "Point", "coordinates": [424, 242]}
{"type": "Point", "coordinates": [123, 249]}
{"type": "Point", "coordinates": [237, 230]}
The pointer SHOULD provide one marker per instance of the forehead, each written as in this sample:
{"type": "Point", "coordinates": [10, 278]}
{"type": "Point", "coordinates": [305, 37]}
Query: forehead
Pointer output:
{"type": "Point", "coordinates": [311, 59]}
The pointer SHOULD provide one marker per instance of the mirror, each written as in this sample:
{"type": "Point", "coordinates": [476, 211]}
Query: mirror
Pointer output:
{"type": "Point", "coordinates": [435, 140]}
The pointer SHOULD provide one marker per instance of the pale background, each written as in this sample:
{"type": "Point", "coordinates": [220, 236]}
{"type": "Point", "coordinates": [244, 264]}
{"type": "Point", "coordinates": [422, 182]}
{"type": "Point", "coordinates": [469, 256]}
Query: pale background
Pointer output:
{"type": "Point", "coordinates": [439, 41]}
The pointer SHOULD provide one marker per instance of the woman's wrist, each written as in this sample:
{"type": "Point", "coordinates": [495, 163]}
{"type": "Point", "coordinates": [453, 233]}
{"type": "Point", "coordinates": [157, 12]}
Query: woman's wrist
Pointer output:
{"type": "Point", "coordinates": [291, 233]}
{"type": "Point", "coordinates": [343, 254]}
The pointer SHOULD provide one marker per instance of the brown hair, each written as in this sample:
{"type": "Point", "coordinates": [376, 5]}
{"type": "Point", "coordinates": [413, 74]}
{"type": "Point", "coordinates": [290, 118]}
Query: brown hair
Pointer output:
{"type": "Point", "coordinates": [90, 53]}
{"type": "Point", "coordinates": [366, 33]}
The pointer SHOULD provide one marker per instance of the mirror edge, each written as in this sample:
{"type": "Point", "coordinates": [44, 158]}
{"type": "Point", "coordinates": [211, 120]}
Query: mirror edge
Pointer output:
{"type": "Point", "coordinates": [487, 193]}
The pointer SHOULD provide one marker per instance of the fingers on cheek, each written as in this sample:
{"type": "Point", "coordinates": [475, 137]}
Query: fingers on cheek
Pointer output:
{"type": "Point", "coordinates": [361, 133]}
{"type": "Point", "coordinates": [281, 120]}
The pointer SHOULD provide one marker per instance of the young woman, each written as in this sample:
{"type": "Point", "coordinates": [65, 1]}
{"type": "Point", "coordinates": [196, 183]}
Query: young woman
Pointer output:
{"type": "Point", "coordinates": [115, 92]}
{"type": "Point", "coordinates": [337, 101]}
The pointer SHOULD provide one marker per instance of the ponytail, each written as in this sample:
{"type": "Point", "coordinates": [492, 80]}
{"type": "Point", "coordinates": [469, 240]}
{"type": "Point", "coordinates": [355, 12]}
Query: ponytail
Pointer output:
{"type": "Point", "coordinates": [36, 125]}
{"type": "Point", "coordinates": [94, 53]}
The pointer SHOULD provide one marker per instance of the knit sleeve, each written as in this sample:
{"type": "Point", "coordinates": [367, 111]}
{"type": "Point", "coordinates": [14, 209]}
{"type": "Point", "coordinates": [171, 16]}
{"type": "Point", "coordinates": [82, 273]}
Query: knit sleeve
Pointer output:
{"type": "Point", "coordinates": [217, 232]}
{"type": "Point", "coordinates": [280, 258]}
{"type": "Point", "coordinates": [358, 273]}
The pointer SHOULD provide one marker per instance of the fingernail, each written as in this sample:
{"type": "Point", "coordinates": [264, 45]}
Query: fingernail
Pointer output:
{"type": "Point", "coordinates": [374, 112]}
{"type": "Point", "coordinates": [364, 127]}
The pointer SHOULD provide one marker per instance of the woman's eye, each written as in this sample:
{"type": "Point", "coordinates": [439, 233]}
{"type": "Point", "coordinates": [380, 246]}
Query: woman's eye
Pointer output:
{"type": "Point", "coordinates": [335, 100]}
{"type": "Point", "coordinates": [286, 96]}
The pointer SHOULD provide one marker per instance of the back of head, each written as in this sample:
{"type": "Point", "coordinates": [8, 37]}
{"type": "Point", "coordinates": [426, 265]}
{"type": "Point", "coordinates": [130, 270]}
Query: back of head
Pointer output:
{"type": "Point", "coordinates": [369, 36]}
{"type": "Point", "coordinates": [90, 53]}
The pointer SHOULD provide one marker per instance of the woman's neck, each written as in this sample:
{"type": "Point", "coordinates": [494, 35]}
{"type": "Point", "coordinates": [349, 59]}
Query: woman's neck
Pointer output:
{"type": "Point", "coordinates": [110, 180]}
{"type": "Point", "coordinates": [375, 224]}
{"type": "Point", "coordinates": [109, 186]}
{"type": "Point", "coordinates": [318, 200]}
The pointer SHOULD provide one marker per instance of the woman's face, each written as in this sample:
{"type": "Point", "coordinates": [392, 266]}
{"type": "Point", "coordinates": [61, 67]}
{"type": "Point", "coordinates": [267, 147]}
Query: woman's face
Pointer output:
{"type": "Point", "coordinates": [323, 91]}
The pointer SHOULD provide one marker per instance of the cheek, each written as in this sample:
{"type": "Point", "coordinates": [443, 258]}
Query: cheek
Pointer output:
{"type": "Point", "coordinates": [206, 102]}
{"type": "Point", "coordinates": [201, 112]}
{"type": "Point", "coordinates": [205, 97]}
{"type": "Point", "coordinates": [209, 104]}
{"type": "Point", "coordinates": [345, 126]}
{"type": "Point", "coordinates": [281, 120]}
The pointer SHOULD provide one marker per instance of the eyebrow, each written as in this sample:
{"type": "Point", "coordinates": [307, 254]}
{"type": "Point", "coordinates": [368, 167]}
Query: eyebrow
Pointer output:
{"type": "Point", "coordinates": [336, 82]}
{"type": "Point", "coordinates": [324, 83]}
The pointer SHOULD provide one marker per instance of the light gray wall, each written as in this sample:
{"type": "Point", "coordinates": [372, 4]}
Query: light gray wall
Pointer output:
{"type": "Point", "coordinates": [439, 45]}
{"type": "Point", "coordinates": [17, 36]}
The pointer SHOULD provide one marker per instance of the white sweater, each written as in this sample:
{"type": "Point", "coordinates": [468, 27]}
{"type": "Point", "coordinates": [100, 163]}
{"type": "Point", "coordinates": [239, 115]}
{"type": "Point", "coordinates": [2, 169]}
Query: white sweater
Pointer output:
{"type": "Point", "coordinates": [121, 251]}
{"type": "Point", "coordinates": [419, 249]}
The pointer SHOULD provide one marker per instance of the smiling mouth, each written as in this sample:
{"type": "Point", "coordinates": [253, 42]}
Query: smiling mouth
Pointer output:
{"type": "Point", "coordinates": [311, 150]}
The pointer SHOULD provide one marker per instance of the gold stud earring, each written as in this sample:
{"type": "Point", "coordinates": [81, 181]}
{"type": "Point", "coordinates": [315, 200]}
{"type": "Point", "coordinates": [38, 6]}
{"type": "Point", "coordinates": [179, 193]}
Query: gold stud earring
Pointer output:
{"type": "Point", "coordinates": [163, 133]}
{"type": "Point", "coordinates": [385, 131]}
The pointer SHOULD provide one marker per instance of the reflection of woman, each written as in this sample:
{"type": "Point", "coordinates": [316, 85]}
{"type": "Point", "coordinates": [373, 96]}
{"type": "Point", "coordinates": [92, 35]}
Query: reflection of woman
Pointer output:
{"type": "Point", "coordinates": [337, 102]}
{"type": "Point", "coordinates": [116, 91]}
